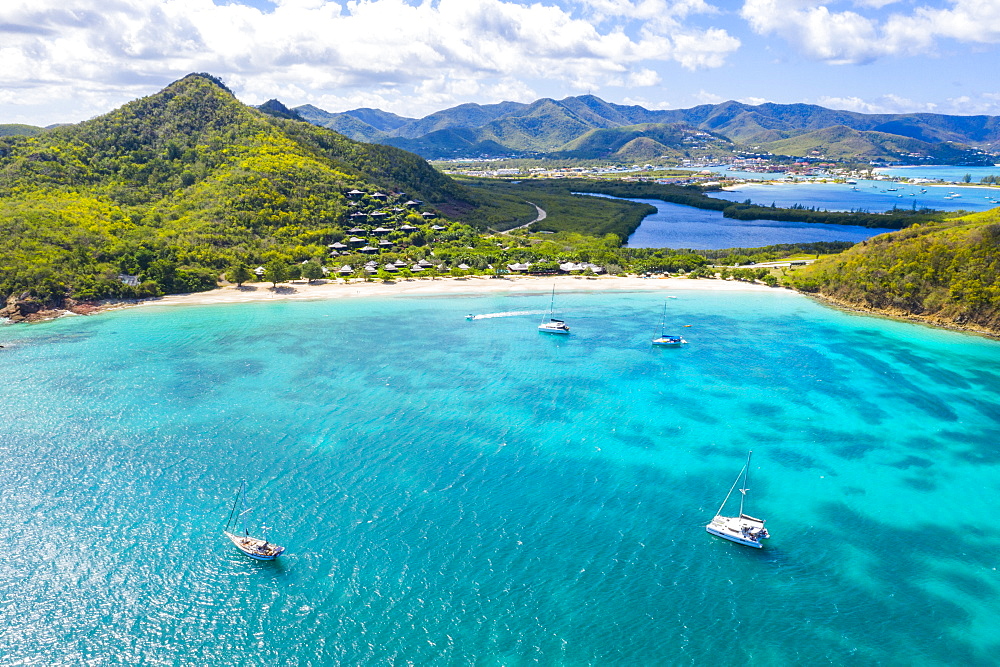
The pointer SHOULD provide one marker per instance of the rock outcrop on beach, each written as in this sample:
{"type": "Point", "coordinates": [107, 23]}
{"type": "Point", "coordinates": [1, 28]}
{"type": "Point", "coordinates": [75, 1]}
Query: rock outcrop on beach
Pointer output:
{"type": "Point", "coordinates": [26, 308]}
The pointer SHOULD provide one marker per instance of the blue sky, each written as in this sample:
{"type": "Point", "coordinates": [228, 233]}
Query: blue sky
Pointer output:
{"type": "Point", "coordinates": [69, 60]}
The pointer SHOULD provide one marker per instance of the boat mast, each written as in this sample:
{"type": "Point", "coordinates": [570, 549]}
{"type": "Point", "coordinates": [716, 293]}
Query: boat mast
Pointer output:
{"type": "Point", "coordinates": [663, 319]}
{"type": "Point", "coordinates": [552, 303]}
{"type": "Point", "coordinates": [746, 482]}
{"type": "Point", "coordinates": [232, 512]}
{"type": "Point", "coordinates": [731, 489]}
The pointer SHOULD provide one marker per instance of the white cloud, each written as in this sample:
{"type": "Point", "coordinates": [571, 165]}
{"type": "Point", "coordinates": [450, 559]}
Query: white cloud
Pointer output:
{"type": "Point", "coordinates": [303, 50]}
{"type": "Point", "coordinates": [841, 37]}
{"type": "Point", "coordinates": [963, 105]}
{"type": "Point", "coordinates": [705, 97]}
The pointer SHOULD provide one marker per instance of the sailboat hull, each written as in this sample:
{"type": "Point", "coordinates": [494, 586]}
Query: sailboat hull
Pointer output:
{"type": "Point", "coordinates": [743, 529]}
{"type": "Point", "coordinates": [255, 548]}
{"type": "Point", "coordinates": [554, 327]}
{"type": "Point", "coordinates": [668, 341]}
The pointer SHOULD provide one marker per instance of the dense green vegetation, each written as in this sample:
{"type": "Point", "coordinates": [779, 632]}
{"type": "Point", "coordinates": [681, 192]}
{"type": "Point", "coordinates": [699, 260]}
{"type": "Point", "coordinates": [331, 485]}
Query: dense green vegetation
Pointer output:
{"type": "Point", "coordinates": [948, 271]}
{"type": "Point", "coordinates": [565, 212]}
{"type": "Point", "coordinates": [15, 129]}
{"type": "Point", "coordinates": [893, 219]}
{"type": "Point", "coordinates": [598, 216]}
{"type": "Point", "coordinates": [178, 186]}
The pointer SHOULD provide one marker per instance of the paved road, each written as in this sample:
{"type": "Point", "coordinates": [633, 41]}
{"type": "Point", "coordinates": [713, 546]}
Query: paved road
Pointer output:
{"type": "Point", "coordinates": [541, 216]}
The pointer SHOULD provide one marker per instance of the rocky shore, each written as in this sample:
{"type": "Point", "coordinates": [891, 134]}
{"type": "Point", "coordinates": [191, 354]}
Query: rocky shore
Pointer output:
{"type": "Point", "coordinates": [900, 314]}
{"type": "Point", "coordinates": [25, 308]}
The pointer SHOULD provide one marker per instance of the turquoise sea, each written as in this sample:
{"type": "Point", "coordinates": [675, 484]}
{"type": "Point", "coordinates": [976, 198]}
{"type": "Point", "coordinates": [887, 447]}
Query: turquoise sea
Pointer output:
{"type": "Point", "coordinates": [458, 492]}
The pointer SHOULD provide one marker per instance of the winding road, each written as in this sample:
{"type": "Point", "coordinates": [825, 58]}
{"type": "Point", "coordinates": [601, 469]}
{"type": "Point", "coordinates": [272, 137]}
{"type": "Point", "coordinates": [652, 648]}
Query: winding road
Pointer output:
{"type": "Point", "coordinates": [541, 216]}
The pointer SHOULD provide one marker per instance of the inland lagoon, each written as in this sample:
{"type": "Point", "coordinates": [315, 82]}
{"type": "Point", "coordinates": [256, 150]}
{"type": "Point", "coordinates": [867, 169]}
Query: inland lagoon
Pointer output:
{"type": "Point", "coordinates": [679, 226]}
{"type": "Point", "coordinates": [457, 492]}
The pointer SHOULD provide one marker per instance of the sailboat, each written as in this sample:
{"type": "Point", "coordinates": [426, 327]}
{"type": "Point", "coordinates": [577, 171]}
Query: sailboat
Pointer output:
{"type": "Point", "coordinates": [553, 326]}
{"type": "Point", "coordinates": [664, 340]}
{"type": "Point", "coordinates": [255, 547]}
{"type": "Point", "coordinates": [742, 529]}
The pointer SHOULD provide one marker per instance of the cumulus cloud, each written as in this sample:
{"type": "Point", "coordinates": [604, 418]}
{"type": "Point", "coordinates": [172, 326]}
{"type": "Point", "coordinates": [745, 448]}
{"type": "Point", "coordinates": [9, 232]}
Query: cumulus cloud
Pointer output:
{"type": "Point", "coordinates": [434, 50]}
{"type": "Point", "coordinates": [865, 35]}
{"type": "Point", "coordinates": [963, 105]}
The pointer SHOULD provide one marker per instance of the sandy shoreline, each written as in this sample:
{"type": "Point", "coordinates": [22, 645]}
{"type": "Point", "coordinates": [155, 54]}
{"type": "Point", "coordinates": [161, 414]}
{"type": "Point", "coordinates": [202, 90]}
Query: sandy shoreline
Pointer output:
{"type": "Point", "coordinates": [300, 290]}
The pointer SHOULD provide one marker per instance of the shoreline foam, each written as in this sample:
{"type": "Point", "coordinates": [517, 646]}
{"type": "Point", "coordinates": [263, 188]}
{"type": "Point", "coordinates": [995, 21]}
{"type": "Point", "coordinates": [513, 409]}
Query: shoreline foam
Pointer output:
{"type": "Point", "coordinates": [445, 286]}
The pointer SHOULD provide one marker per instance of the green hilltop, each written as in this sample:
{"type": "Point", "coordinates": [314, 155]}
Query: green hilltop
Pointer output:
{"type": "Point", "coordinates": [177, 186]}
{"type": "Point", "coordinates": [944, 272]}
{"type": "Point", "coordinates": [16, 129]}
{"type": "Point", "coordinates": [841, 142]}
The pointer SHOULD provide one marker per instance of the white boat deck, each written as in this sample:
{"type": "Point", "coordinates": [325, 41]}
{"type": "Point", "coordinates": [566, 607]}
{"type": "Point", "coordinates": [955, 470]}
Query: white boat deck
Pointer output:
{"type": "Point", "coordinates": [743, 529]}
{"type": "Point", "coordinates": [254, 547]}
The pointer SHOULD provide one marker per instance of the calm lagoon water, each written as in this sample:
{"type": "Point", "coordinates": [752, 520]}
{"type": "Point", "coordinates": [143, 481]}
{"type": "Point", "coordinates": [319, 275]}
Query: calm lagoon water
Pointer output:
{"type": "Point", "coordinates": [455, 492]}
{"type": "Point", "coordinates": [677, 226]}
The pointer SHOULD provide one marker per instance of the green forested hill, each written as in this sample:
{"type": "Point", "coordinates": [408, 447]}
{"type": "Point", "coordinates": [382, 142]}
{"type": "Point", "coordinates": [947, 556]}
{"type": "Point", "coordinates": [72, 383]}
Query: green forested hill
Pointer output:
{"type": "Point", "coordinates": [945, 272]}
{"type": "Point", "coordinates": [841, 142]}
{"type": "Point", "coordinates": [16, 129]}
{"type": "Point", "coordinates": [178, 186]}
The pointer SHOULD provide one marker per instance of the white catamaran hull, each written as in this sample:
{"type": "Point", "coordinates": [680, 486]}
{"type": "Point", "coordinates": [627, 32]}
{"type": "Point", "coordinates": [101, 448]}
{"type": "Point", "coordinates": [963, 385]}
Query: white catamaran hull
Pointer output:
{"type": "Point", "coordinates": [742, 529]}
{"type": "Point", "coordinates": [255, 548]}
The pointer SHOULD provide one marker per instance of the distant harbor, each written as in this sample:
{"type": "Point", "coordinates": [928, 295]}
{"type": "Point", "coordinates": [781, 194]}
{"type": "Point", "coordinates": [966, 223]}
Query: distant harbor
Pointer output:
{"type": "Point", "coordinates": [866, 195]}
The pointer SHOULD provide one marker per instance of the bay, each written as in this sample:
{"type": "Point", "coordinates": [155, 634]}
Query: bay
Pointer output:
{"type": "Point", "coordinates": [871, 196]}
{"type": "Point", "coordinates": [455, 492]}
{"type": "Point", "coordinates": [949, 173]}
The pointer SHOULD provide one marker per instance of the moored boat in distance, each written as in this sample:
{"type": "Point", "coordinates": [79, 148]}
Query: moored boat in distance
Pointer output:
{"type": "Point", "coordinates": [669, 341]}
{"type": "Point", "coordinates": [553, 326]}
{"type": "Point", "coordinates": [254, 547]}
{"type": "Point", "coordinates": [665, 340]}
{"type": "Point", "coordinates": [743, 528]}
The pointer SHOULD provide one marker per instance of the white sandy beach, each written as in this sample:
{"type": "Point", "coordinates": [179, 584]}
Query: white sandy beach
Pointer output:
{"type": "Point", "coordinates": [337, 289]}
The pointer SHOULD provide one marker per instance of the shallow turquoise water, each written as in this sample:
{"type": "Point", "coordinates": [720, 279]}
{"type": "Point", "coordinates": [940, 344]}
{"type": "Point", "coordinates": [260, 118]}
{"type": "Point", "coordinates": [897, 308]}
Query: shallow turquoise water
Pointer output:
{"type": "Point", "coordinates": [455, 492]}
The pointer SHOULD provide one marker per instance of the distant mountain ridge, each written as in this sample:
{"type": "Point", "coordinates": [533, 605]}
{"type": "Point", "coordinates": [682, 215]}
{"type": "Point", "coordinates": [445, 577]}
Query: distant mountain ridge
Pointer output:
{"type": "Point", "coordinates": [557, 127]}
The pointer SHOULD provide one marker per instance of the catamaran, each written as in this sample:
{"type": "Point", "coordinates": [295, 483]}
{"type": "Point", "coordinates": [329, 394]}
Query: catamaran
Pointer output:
{"type": "Point", "coordinates": [742, 529]}
{"type": "Point", "coordinates": [553, 326]}
{"type": "Point", "coordinates": [665, 340]}
{"type": "Point", "coordinates": [255, 547]}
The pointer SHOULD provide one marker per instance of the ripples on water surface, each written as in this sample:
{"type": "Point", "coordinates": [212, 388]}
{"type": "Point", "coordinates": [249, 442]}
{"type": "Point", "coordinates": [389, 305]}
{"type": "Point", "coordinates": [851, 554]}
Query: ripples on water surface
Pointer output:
{"type": "Point", "coordinates": [456, 492]}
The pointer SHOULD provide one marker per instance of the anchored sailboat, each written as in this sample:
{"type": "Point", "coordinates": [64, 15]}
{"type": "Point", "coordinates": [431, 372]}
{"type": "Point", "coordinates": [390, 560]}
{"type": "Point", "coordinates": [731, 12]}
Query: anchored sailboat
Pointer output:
{"type": "Point", "coordinates": [665, 340]}
{"type": "Point", "coordinates": [742, 529]}
{"type": "Point", "coordinates": [553, 326]}
{"type": "Point", "coordinates": [257, 548]}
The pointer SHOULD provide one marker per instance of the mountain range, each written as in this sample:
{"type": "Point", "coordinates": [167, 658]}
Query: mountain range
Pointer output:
{"type": "Point", "coordinates": [589, 127]}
